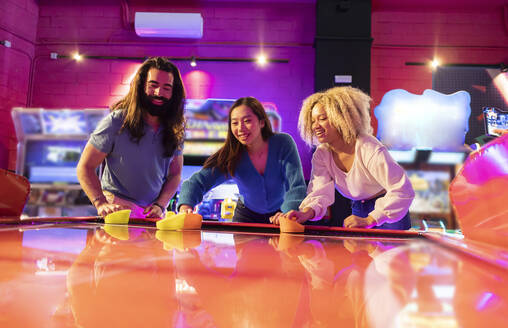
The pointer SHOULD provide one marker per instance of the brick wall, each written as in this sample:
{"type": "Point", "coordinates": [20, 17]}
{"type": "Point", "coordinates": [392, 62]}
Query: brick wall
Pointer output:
{"type": "Point", "coordinates": [457, 34]}
{"type": "Point", "coordinates": [18, 23]}
{"type": "Point", "coordinates": [462, 34]}
{"type": "Point", "coordinates": [231, 30]}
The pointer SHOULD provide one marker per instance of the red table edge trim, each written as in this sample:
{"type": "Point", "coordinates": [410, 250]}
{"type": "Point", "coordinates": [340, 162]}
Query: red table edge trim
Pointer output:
{"type": "Point", "coordinates": [315, 228]}
{"type": "Point", "coordinates": [98, 219]}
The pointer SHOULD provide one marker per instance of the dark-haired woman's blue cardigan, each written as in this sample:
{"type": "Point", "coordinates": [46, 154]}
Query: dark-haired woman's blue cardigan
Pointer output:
{"type": "Point", "coordinates": [282, 186]}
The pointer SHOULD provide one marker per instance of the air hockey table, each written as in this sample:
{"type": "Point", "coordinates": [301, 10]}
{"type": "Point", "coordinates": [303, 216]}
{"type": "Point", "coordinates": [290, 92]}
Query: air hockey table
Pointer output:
{"type": "Point", "coordinates": [80, 272]}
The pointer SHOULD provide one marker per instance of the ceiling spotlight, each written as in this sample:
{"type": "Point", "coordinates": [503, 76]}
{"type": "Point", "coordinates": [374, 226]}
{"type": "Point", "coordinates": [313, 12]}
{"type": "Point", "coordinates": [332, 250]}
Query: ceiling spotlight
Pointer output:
{"type": "Point", "coordinates": [193, 61]}
{"type": "Point", "coordinates": [262, 60]}
{"type": "Point", "coordinates": [435, 63]}
{"type": "Point", "coordinates": [77, 57]}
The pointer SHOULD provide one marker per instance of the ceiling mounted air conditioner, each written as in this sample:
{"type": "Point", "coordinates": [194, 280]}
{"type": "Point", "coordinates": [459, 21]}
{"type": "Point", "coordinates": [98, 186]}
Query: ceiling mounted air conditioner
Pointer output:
{"type": "Point", "coordinates": [169, 25]}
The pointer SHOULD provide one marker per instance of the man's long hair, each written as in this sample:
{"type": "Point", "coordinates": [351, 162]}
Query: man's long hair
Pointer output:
{"type": "Point", "coordinates": [228, 156]}
{"type": "Point", "coordinates": [172, 121]}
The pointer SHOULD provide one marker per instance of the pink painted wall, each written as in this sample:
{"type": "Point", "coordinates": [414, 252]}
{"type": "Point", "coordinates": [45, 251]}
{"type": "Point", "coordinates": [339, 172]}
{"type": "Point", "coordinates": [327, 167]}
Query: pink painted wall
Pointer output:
{"type": "Point", "coordinates": [18, 24]}
{"type": "Point", "coordinates": [231, 30]}
{"type": "Point", "coordinates": [460, 32]}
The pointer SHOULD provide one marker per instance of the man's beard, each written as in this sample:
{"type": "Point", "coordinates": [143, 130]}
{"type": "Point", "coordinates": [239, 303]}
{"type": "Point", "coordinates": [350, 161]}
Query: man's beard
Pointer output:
{"type": "Point", "coordinates": [153, 109]}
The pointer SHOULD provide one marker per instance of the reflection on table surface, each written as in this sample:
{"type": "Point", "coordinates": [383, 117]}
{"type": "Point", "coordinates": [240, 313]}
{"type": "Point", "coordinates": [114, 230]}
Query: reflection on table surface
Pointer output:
{"type": "Point", "coordinates": [90, 275]}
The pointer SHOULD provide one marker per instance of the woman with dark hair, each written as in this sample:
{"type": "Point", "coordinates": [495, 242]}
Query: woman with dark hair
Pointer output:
{"type": "Point", "coordinates": [140, 143]}
{"type": "Point", "coordinates": [265, 166]}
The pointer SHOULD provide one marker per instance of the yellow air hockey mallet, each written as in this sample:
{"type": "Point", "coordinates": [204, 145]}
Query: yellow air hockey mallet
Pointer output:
{"type": "Point", "coordinates": [118, 217]}
{"type": "Point", "coordinates": [182, 221]}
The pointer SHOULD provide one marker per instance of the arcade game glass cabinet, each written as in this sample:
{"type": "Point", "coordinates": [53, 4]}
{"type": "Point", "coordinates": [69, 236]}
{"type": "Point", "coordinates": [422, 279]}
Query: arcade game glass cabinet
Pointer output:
{"type": "Point", "coordinates": [50, 143]}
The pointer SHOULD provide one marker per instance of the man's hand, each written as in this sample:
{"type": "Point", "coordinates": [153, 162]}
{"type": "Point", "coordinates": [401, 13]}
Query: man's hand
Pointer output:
{"type": "Point", "coordinates": [154, 211]}
{"type": "Point", "coordinates": [104, 208]}
{"type": "Point", "coordinates": [354, 221]}
{"type": "Point", "coordinates": [185, 209]}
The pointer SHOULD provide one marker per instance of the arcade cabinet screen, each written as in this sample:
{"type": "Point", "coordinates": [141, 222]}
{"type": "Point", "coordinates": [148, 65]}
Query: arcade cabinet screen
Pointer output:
{"type": "Point", "coordinates": [201, 147]}
{"type": "Point", "coordinates": [64, 122]}
{"type": "Point", "coordinates": [493, 119]}
{"type": "Point", "coordinates": [52, 161]}
{"type": "Point", "coordinates": [207, 124]}
{"type": "Point", "coordinates": [431, 191]}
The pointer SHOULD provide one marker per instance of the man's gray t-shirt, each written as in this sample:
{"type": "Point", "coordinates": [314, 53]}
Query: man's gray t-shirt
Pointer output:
{"type": "Point", "coordinates": [133, 171]}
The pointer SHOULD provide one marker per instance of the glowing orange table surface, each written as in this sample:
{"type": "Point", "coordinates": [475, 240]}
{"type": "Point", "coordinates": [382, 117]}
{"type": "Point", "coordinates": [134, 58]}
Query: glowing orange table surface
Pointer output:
{"type": "Point", "coordinates": [82, 274]}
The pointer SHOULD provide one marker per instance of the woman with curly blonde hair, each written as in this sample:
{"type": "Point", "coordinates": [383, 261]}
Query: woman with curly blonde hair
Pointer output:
{"type": "Point", "coordinates": [350, 159]}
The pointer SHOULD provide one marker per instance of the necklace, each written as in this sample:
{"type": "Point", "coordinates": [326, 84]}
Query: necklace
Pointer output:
{"type": "Point", "coordinates": [259, 154]}
{"type": "Point", "coordinates": [258, 159]}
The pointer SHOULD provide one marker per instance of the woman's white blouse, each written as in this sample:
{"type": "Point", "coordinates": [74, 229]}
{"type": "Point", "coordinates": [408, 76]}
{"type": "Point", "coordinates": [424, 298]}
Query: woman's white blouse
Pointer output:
{"type": "Point", "coordinates": [373, 171]}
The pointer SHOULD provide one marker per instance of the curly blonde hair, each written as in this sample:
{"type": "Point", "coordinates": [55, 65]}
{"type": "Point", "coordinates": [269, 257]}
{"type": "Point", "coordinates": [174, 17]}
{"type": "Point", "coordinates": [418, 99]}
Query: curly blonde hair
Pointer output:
{"type": "Point", "coordinates": [347, 108]}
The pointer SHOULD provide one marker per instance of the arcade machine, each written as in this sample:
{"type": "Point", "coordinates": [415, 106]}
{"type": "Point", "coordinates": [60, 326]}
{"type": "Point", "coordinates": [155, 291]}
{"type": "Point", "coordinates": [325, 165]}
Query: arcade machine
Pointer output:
{"type": "Point", "coordinates": [207, 127]}
{"type": "Point", "coordinates": [50, 143]}
{"type": "Point", "coordinates": [425, 134]}
{"type": "Point", "coordinates": [495, 122]}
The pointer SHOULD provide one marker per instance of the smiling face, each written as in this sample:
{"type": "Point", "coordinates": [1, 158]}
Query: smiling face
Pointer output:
{"type": "Point", "coordinates": [245, 125]}
{"type": "Point", "coordinates": [158, 91]}
{"type": "Point", "coordinates": [322, 128]}
{"type": "Point", "coordinates": [159, 85]}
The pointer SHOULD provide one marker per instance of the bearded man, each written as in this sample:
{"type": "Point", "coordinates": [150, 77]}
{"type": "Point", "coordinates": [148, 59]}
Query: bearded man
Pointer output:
{"type": "Point", "coordinates": [140, 144]}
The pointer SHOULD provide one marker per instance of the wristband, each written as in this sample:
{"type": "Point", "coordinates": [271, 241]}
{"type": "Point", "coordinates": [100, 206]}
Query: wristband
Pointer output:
{"type": "Point", "coordinates": [159, 206]}
{"type": "Point", "coordinates": [97, 198]}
